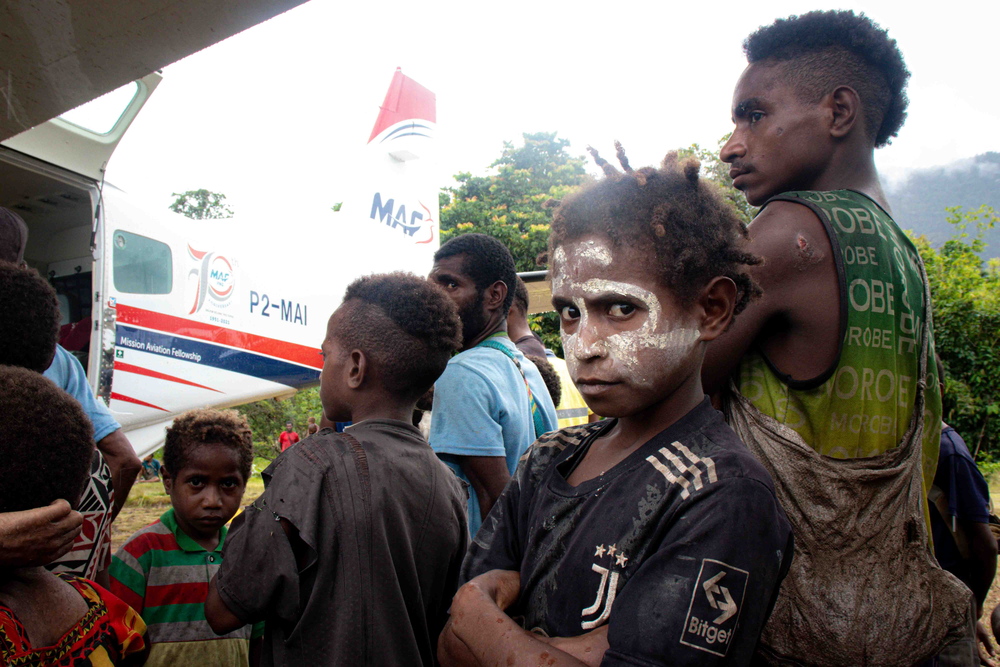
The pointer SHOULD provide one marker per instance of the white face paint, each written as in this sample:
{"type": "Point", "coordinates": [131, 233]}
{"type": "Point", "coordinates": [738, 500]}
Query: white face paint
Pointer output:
{"type": "Point", "coordinates": [672, 340]}
{"type": "Point", "coordinates": [595, 250]}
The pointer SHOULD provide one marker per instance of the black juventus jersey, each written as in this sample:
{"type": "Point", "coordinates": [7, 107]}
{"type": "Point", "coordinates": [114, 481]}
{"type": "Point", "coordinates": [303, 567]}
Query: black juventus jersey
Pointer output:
{"type": "Point", "coordinates": [680, 548]}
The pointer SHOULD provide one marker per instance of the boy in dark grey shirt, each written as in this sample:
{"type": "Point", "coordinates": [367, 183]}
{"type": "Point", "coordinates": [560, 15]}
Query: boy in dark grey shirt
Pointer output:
{"type": "Point", "coordinates": [352, 553]}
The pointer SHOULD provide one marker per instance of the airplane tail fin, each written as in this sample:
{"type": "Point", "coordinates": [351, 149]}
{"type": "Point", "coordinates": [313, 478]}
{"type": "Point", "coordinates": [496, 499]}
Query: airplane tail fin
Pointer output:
{"type": "Point", "coordinates": [408, 108]}
{"type": "Point", "coordinates": [395, 206]}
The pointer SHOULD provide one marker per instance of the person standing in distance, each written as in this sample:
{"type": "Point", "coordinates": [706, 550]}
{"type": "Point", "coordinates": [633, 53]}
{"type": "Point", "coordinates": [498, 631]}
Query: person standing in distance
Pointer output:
{"type": "Point", "coordinates": [288, 437]}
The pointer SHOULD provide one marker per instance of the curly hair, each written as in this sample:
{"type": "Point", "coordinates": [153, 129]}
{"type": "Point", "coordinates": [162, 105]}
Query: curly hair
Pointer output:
{"type": "Point", "coordinates": [46, 442]}
{"type": "Point", "coordinates": [549, 376]}
{"type": "Point", "coordinates": [487, 260]}
{"type": "Point", "coordinates": [693, 232]}
{"type": "Point", "coordinates": [521, 296]}
{"type": "Point", "coordinates": [827, 49]}
{"type": "Point", "coordinates": [406, 326]}
{"type": "Point", "coordinates": [226, 428]}
{"type": "Point", "coordinates": [29, 320]}
{"type": "Point", "coordinates": [13, 236]}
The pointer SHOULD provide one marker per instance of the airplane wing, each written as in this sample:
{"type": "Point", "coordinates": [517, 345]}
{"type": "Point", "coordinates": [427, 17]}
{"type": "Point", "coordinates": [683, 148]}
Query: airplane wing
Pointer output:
{"type": "Point", "coordinates": [58, 54]}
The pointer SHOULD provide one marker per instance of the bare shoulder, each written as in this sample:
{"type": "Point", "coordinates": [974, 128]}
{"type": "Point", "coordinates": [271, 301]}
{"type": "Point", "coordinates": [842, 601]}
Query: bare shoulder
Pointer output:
{"type": "Point", "coordinates": [792, 241]}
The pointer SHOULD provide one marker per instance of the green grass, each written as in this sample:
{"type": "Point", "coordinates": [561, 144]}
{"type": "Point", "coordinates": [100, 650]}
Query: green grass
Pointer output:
{"type": "Point", "coordinates": [993, 479]}
{"type": "Point", "coordinates": [151, 494]}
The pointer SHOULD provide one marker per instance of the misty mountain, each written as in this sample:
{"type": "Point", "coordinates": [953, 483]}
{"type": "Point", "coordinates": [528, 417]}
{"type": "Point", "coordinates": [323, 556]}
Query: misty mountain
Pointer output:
{"type": "Point", "coordinates": [918, 203]}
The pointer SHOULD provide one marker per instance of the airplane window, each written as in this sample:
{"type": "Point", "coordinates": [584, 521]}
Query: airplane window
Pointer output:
{"type": "Point", "coordinates": [101, 115]}
{"type": "Point", "coordinates": [141, 265]}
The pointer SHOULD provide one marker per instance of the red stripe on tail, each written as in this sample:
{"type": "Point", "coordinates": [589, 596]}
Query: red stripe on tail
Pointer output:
{"type": "Point", "coordinates": [405, 100]}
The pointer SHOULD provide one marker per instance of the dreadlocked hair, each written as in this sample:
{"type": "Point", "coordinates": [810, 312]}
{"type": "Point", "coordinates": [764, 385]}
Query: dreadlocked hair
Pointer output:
{"type": "Point", "coordinates": [695, 234]}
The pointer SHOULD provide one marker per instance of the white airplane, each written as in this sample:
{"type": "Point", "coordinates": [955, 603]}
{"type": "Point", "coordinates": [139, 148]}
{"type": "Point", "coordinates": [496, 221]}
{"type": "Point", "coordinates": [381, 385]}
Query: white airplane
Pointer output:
{"type": "Point", "coordinates": [169, 314]}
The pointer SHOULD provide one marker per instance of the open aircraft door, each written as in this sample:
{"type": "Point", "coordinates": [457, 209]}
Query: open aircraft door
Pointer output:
{"type": "Point", "coordinates": [86, 150]}
{"type": "Point", "coordinates": [61, 164]}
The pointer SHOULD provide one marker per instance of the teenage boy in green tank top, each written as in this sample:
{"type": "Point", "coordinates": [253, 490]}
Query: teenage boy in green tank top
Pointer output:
{"type": "Point", "coordinates": [832, 349]}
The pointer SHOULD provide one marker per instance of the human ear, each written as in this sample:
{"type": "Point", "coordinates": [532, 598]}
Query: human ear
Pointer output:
{"type": "Point", "coordinates": [167, 479]}
{"type": "Point", "coordinates": [715, 307]}
{"type": "Point", "coordinates": [356, 369]}
{"type": "Point", "coordinates": [845, 107]}
{"type": "Point", "coordinates": [496, 294]}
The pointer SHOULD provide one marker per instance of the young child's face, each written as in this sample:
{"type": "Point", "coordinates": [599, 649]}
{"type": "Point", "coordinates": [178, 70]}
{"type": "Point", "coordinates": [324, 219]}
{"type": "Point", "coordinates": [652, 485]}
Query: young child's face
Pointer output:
{"type": "Point", "coordinates": [207, 491]}
{"type": "Point", "coordinates": [628, 344]}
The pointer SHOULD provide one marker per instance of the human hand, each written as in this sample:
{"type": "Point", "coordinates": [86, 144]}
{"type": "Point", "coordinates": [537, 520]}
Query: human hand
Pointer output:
{"type": "Point", "coordinates": [38, 536]}
{"type": "Point", "coordinates": [986, 650]}
{"type": "Point", "coordinates": [501, 586]}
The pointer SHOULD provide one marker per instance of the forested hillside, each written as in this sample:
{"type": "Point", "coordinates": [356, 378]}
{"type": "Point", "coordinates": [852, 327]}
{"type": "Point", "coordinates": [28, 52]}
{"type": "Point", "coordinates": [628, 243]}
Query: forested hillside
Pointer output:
{"type": "Point", "coordinates": [919, 202]}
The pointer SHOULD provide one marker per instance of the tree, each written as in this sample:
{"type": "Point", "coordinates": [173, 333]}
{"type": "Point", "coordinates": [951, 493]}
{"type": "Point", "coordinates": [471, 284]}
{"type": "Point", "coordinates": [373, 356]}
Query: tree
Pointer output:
{"type": "Point", "coordinates": [201, 205]}
{"type": "Point", "coordinates": [965, 292]}
{"type": "Point", "coordinates": [717, 171]}
{"type": "Point", "coordinates": [510, 204]}
{"type": "Point", "coordinates": [267, 418]}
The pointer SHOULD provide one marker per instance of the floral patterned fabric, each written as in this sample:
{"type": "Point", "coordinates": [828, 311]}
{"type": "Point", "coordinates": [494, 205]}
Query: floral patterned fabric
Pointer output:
{"type": "Point", "coordinates": [110, 633]}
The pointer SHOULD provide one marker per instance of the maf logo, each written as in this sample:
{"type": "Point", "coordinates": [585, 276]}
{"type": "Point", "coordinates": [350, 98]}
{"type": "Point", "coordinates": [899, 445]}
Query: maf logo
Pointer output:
{"type": "Point", "coordinates": [216, 278]}
{"type": "Point", "coordinates": [715, 607]}
{"type": "Point", "coordinates": [386, 212]}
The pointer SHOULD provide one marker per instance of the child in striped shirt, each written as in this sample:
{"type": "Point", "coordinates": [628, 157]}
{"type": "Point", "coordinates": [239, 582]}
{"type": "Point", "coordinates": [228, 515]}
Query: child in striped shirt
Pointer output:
{"type": "Point", "coordinates": [163, 570]}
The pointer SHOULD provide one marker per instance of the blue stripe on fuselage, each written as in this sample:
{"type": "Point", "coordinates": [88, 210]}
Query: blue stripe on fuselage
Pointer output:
{"type": "Point", "coordinates": [216, 356]}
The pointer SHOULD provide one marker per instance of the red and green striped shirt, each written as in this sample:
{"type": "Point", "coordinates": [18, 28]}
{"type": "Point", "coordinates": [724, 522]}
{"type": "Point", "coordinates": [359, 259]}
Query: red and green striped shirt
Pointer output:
{"type": "Point", "coordinates": [164, 574]}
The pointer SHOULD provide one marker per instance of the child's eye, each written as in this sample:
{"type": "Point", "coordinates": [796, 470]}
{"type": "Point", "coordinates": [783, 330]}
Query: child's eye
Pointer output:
{"type": "Point", "coordinates": [569, 313]}
{"type": "Point", "coordinates": [755, 116]}
{"type": "Point", "coordinates": [621, 310]}
{"type": "Point", "coordinates": [196, 481]}
{"type": "Point", "coordinates": [228, 483]}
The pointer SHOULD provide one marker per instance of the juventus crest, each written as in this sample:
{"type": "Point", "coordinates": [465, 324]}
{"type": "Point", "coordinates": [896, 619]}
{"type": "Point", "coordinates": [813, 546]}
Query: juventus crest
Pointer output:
{"type": "Point", "coordinates": [608, 588]}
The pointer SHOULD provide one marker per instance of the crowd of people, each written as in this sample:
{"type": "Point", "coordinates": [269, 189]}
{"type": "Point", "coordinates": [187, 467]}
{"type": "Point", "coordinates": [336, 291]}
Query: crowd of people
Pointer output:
{"type": "Point", "coordinates": [736, 462]}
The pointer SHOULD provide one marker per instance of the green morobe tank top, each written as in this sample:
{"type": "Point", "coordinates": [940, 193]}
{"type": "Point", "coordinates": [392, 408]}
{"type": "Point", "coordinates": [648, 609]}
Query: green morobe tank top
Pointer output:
{"type": "Point", "coordinates": [862, 405]}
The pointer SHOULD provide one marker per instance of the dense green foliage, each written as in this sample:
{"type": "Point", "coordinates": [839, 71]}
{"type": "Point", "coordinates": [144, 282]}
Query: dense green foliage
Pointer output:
{"type": "Point", "coordinates": [510, 205]}
{"type": "Point", "coordinates": [268, 417]}
{"type": "Point", "coordinates": [717, 171]}
{"type": "Point", "coordinates": [201, 205]}
{"type": "Point", "coordinates": [966, 296]}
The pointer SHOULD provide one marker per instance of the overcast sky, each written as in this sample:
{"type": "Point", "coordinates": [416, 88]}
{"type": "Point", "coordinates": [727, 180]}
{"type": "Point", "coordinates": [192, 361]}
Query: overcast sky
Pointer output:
{"type": "Point", "coordinates": [275, 116]}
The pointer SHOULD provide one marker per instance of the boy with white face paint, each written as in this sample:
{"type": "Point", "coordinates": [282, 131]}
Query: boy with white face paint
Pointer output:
{"type": "Point", "coordinates": [653, 537]}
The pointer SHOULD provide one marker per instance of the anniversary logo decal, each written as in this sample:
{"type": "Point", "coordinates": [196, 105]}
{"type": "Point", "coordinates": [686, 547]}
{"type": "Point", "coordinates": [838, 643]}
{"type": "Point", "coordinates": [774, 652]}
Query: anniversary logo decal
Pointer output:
{"type": "Point", "coordinates": [214, 281]}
